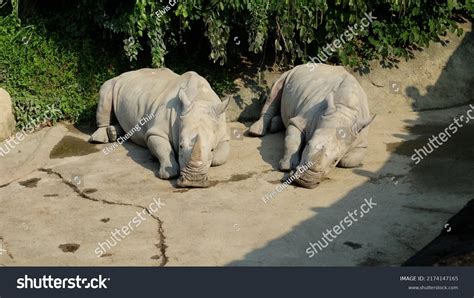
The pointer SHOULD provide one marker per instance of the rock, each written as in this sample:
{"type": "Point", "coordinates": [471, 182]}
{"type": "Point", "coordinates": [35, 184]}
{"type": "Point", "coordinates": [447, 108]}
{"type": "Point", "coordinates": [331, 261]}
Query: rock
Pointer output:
{"type": "Point", "coordinates": [246, 103]}
{"type": "Point", "coordinates": [250, 96]}
{"type": "Point", "coordinates": [7, 120]}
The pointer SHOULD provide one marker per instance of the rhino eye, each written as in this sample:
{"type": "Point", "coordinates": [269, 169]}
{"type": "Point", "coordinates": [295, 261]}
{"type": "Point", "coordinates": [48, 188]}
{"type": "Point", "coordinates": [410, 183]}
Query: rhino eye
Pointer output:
{"type": "Point", "coordinates": [212, 150]}
{"type": "Point", "coordinates": [180, 146]}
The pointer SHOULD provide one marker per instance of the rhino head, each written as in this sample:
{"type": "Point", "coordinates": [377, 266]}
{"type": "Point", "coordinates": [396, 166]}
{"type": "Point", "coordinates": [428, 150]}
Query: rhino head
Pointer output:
{"type": "Point", "coordinates": [198, 137]}
{"type": "Point", "coordinates": [337, 133]}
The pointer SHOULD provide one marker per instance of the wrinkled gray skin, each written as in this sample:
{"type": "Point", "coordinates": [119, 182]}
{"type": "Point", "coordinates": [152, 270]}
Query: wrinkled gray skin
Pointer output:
{"type": "Point", "coordinates": [188, 133]}
{"type": "Point", "coordinates": [325, 113]}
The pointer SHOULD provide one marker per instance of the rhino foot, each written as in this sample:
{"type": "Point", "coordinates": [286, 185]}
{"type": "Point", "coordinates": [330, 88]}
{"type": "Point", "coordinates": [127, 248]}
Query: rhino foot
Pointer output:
{"type": "Point", "coordinates": [288, 164]}
{"type": "Point", "coordinates": [167, 173]}
{"type": "Point", "coordinates": [307, 179]}
{"type": "Point", "coordinates": [99, 136]}
{"type": "Point", "coordinates": [257, 129]}
{"type": "Point", "coordinates": [182, 182]}
{"type": "Point", "coordinates": [113, 132]}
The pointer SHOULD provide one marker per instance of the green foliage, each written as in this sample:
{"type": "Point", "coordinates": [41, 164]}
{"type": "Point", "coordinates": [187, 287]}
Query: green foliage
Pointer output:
{"type": "Point", "coordinates": [63, 51]}
{"type": "Point", "coordinates": [40, 70]}
{"type": "Point", "coordinates": [295, 28]}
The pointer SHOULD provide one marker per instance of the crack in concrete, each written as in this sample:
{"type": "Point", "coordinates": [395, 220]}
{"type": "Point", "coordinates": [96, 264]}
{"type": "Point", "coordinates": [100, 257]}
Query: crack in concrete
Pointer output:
{"type": "Point", "coordinates": [162, 245]}
{"type": "Point", "coordinates": [375, 84]}
{"type": "Point", "coordinates": [431, 210]}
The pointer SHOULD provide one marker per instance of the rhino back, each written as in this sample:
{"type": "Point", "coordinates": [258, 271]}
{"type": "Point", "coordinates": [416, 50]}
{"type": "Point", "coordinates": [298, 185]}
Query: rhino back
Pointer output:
{"type": "Point", "coordinates": [305, 92]}
{"type": "Point", "coordinates": [139, 94]}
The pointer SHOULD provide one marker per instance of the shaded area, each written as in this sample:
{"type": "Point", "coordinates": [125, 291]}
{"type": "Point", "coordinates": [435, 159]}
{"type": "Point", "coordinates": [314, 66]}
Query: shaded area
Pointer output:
{"type": "Point", "coordinates": [454, 246]}
{"type": "Point", "coordinates": [434, 171]}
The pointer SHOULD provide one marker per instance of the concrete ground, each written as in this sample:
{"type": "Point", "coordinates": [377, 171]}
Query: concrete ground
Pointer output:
{"type": "Point", "coordinates": [71, 196]}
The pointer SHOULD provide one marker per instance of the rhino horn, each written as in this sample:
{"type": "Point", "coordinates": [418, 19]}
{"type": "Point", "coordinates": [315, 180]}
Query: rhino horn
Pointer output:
{"type": "Point", "coordinates": [196, 154]}
{"type": "Point", "coordinates": [316, 159]}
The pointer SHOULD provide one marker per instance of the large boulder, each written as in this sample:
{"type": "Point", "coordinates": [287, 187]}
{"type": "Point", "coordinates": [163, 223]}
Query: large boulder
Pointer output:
{"type": "Point", "coordinates": [7, 120]}
{"type": "Point", "coordinates": [250, 95]}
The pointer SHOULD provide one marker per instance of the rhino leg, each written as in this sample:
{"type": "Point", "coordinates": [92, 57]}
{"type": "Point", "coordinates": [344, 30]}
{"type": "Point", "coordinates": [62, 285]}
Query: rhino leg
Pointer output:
{"type": "Point", "coordinates": [221, 153]}
{"type": "Point", "coordinates": [105, 115]}
{"type": "Point", "coordinates": [293, 143]}
{"type": "Point", "coordinates": [161, 149]}
{"type": "Point", "coordinates": [270, 109]}
{"type": "Point", "coordinates": [353, 158]}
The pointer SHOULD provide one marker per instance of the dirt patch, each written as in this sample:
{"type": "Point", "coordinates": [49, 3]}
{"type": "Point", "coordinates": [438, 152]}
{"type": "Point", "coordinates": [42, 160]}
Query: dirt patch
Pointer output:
{"type": "Point", "coordinates": [51, 195]}
{"type": "Point", "coordinates": [90, 190]}
{"type": "Point", "coordinates": [69, 247]}
{"type": "Point", "coordinates": [30, 183]}
{"type": "Point", "coordinates": [240, 177]}
{"type": "Point", "coordinates": [371, 262]}
{"type": "Point", "coordinates": [353, 245]}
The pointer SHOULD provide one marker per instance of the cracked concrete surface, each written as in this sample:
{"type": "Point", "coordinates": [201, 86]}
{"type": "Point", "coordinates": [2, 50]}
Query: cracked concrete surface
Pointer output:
{"type": "Point", "coordinates": [82, 193]}
{"type": "Point", "coordinates": [47, 218]}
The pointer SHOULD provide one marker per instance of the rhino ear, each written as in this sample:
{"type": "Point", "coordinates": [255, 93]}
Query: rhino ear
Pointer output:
{"type": "Point", "coordinates": [184, 100]}
{"type": "Point", "coordinates": [331, 108]}
{"type": "Point", "coordinates": [361, 127]}
{"type": "Point", "coordinates": [222, 107]}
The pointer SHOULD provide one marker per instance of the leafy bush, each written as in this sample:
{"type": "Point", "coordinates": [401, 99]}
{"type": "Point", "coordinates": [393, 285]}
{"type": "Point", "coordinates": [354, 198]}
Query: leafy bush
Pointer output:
{"type": "Point", "coordinates": [59, 56]}
{"type": "Point", "coordinates": [294, 28]}
{"type": "Point", "coordinates": [63, 51]}
{"type": "Point", "coordinates": [40, 70]}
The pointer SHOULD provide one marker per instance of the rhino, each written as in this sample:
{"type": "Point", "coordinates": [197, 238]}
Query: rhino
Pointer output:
{"type": "Point", "coordinates": [326, 116]}
{"type": "Point", "coordinates": [185, 127]}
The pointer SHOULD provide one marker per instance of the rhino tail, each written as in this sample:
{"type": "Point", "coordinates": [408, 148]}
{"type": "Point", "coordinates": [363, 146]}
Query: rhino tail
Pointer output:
{"type": "Point", "coordinates": [105, 113]}
{"type": "Point", "coordinates": [270, 109]}
{"type": "Point", "coordinates": [105, 109]}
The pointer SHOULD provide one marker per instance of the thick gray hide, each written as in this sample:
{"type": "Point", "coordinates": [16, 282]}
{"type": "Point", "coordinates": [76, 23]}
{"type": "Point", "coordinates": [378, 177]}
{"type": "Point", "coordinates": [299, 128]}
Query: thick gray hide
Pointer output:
{"type": "Point", "coordinates": [325, 113]}
{"type": "Point", "coordinates": [187, 131]}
